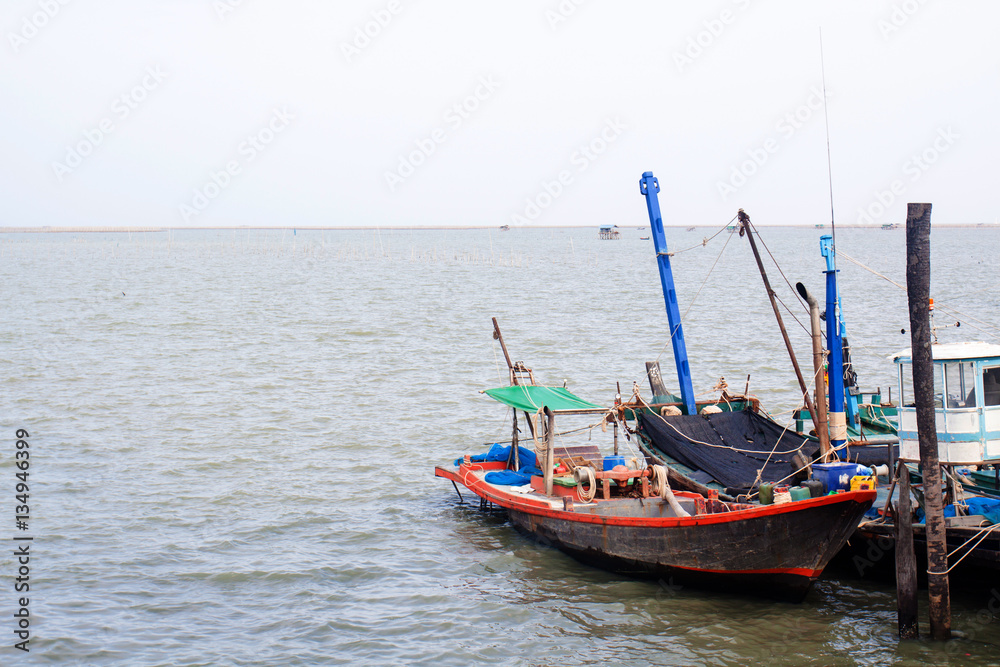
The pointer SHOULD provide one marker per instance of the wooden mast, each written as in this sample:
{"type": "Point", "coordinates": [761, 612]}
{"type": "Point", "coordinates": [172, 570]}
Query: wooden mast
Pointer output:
{"type": "Point", "coordinates": [745, 225]}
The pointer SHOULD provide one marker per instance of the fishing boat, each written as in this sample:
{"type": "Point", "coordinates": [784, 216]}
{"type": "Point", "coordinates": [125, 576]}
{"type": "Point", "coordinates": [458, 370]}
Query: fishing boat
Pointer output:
{"type": "Point", "coordinates": [622, 514]}
{"type": "Point", "coordinates": [967, 417]}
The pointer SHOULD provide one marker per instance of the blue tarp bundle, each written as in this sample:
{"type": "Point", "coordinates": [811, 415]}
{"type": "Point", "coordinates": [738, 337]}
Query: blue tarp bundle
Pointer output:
{"type": "Point", "coordinates": [498, 452]}
{"type": "Point", "coordinates": [988, 507]}
{"type": "Point", "coordinates": [511, 478]}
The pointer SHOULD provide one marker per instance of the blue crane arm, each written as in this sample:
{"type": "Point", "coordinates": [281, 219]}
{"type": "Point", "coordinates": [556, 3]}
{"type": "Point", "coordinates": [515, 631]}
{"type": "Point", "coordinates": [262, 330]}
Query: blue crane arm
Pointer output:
{"type": "Point", "coordinates": [649, 186]}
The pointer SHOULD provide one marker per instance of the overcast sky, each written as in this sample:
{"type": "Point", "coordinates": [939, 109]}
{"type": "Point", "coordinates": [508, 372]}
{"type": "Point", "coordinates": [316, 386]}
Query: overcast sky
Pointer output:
{"type": "Point", "coordinates": [215, 113]}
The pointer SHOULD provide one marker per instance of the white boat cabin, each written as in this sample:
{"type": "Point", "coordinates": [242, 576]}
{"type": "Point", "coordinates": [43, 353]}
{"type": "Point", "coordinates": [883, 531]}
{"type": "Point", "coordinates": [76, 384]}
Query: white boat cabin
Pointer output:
{"type": "Point", "coordinates": [966, 403]}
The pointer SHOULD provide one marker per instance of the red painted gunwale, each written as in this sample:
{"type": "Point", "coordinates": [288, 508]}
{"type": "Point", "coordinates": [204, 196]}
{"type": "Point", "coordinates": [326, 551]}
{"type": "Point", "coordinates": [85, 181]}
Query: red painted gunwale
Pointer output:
{"type": "Point", "coordinates": [466, 477]}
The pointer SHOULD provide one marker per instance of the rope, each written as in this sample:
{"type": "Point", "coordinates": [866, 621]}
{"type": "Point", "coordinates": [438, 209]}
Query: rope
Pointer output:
{"type": "Point", "coordinates": [703, 283]}
{"type": "Point", "coordinates": [496, 360]}
{"type": "Point", "coordinates": [586, 496]}
{"type": "Point", "coordinates": [777, 266]}
{"type": "Point", "coordinates": [704, 242]}
{"type": "Point", "coordinates": [979, 537]}
{"type": "Point", "coordinates": [969, 317]}
{"type": "Point", "coordinates": [993, 330]}
{"type": "Point", "coordinates": [870, 270]}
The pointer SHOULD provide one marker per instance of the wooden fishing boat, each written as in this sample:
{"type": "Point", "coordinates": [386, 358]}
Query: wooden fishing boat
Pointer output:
{"type": "Point", "coordinates": [623, 515]}
{"type": "Point", "coordinates": [629, 521]}
{"type": "Point", "coordinates": [777, 551]}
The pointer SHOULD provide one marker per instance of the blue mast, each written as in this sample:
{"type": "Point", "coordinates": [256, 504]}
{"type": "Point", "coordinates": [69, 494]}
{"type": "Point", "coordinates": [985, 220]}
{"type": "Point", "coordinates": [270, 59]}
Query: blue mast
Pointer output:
{"type": "Point", "coordinates": [649, 186]}
{"type": "Point", "coordinates": [834, 343]}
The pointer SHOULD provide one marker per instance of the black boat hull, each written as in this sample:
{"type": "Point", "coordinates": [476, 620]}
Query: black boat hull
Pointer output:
{"type": "Point", "coordinates": [777, 555]}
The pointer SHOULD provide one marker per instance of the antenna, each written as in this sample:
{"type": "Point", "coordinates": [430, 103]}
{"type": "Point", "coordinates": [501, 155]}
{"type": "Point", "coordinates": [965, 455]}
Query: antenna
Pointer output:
{"type": "Point", "coordinates": [826, 119]}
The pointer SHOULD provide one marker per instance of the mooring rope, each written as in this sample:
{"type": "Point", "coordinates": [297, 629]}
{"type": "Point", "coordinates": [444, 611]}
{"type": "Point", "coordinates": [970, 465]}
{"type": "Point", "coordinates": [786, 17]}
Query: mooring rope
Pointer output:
{"type": "Point", "coordinates": [979, 537]}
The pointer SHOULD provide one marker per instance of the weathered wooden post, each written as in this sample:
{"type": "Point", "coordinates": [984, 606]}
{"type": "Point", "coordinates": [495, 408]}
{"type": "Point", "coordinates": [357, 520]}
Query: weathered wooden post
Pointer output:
{"type": "Point", "coordinates": [822, 430]}
{"type": "Point", "coordinates": [918, 280]}
{"type": "Point", "coordinates": [906, 560]}
{"type": "Point", "coordinates": [549, 449]}
{"type": "Point", "coordinates": [745, 227]}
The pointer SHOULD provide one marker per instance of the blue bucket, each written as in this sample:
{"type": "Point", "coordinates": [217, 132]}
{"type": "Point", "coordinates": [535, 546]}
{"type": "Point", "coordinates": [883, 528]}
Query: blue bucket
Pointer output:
{"type": "Point", "coordinates": [835, 476]}
{"type": "Point", "coordinates": [611, 461]}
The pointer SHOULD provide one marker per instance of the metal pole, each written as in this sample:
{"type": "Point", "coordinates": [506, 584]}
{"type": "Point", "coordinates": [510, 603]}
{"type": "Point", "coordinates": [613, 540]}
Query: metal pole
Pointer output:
{"type": "Point", "coordinates": [835, 345]}
{"type": "Point", "coordinates": [817, 342]}
{"type": "Point", "coordinates": [918, 279]}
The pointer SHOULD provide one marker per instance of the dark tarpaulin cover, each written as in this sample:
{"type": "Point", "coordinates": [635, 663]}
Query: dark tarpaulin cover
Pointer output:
{"type": "Point", "coordinates": [742, 430]}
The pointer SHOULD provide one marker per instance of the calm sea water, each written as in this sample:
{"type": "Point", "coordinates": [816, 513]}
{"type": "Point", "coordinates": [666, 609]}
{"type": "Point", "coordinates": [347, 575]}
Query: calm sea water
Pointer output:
{"type": "Point", "coordinates": [233, 435]}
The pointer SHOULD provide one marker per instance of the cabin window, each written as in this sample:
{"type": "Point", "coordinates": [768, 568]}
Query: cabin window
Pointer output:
{"type": "Point", "coordinates": [991, 385]}
{"type": "Point", "coordinates": [960, 383]}
{"type": "Point", "coordinates": [906, 397]}
{"type": "Point", "coordinates": [906, 386]}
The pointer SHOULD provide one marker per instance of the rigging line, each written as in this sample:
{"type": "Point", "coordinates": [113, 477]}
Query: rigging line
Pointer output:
{"type": "Point", "coordinates": [777, 266]}
{"type": "Point", "coordinates": [705, 241]}
{"type": "Point", "coordinates": [497, 361]}
{"type": "Point", "coordinates": [826, 119]}
{"type": "Point", "coordinates": [870, 270]}
{"type": "Point", "coordinates": [948, 309]}
{"type": "Point", "coordinates": [938, 305]}
{"type": "Point", "coordinates": [792, 314]}
{"type": "Point", "coordinates": [760, 471]}
{"type": "Point", "coordinates": [707, 276]}
{"type": "Point", "coordinates": [703, 283]}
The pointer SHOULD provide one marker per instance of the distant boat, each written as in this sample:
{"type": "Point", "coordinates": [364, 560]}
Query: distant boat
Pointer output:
{"type": "Point", "coordinates": [819, 225]}
{"type": "Point", "coordinates": [690, 229]}
{"type": "Point", "coordinates": [890, 225]}
{"type": "Point", "coordinates": [504, 228]}
{"type": "Point", "coordinates": [643, 238]}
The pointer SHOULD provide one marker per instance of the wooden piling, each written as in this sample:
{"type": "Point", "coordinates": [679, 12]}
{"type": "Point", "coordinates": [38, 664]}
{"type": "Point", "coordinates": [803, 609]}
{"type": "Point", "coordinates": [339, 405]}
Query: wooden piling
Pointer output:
{"type": "Point", "coordinates": [819, 356]}
{"type": "Point", "coordinates": [918, 278]}
{"type": "Point", "coordinates": [549, 449]}
{"type": "Point", "coordinates": [906, 560]}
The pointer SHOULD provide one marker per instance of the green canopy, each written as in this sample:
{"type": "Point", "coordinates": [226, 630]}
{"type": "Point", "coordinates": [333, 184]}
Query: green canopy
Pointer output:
{"type": "Point", "coordinates": [531, 398]}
